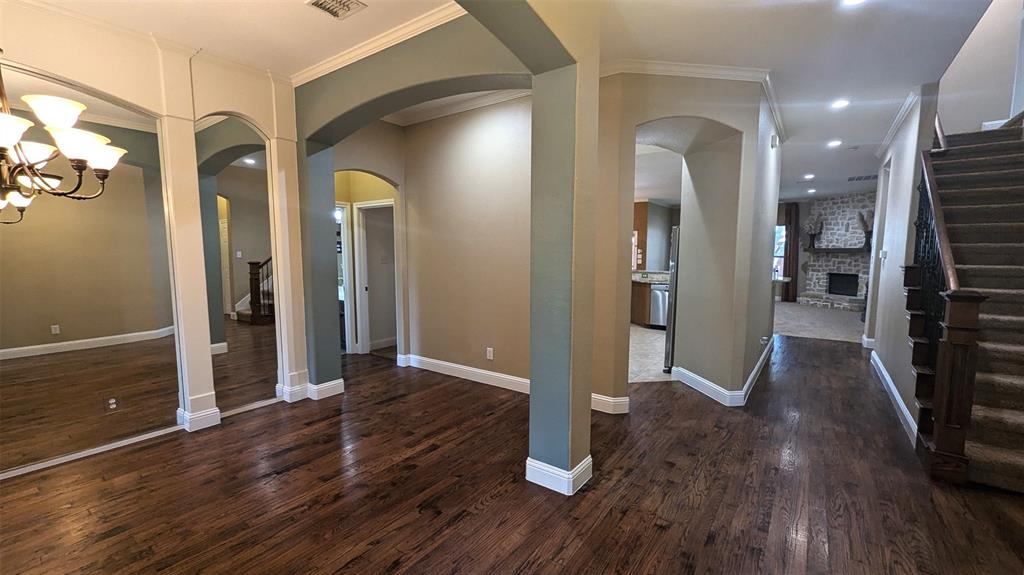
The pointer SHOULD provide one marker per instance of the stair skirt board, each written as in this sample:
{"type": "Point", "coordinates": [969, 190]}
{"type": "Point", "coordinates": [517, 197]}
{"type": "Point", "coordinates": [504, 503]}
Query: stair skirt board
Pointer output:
{"type": "Point", "coordinates": [718, 393]}
{"type": "Point", "coordinates": [78, 344]}
{"type": "Point", "coordinates": [243, 304]}
{"type": "Point", "coordinates": [598, 402]}
{"type": "Point", "coordinates": [909, 423]}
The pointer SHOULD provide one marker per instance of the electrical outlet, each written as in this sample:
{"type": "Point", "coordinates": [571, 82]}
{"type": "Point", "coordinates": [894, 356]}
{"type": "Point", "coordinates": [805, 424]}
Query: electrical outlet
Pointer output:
{"type": "Point", "coordinates": [238, 254]}
{"type": "Point", "coordinates": [112, 404]}
{"type": "Point", "coordinates": [490, 353]}
{"type": "Point", "coordinates": [55, 329]}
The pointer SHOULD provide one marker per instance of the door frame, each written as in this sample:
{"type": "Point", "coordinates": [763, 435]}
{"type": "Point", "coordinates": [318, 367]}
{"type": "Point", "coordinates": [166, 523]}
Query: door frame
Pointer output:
{"type": "Point", "coordinates": [363, 342]}
{"type": "Point", "coordinates": [350, 295]}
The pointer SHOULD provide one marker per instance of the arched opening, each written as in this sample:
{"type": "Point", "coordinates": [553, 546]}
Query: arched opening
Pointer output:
{"type": "Point", "coordinates": [237, 215]}
{"type": "Point", "coordinates": [686, 190]}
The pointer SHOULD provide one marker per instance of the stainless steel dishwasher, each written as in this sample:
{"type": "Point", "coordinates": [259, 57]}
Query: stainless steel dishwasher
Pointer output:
{"type": "Point", "coordinates": [659, 305]}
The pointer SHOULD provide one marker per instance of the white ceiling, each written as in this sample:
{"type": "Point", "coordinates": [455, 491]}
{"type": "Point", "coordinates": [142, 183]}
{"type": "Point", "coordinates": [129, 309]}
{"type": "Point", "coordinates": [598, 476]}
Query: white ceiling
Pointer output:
{"type": "Point", "coordinates": [254, 161]}
{"type": "Point", "coordinates": [873, 54]}
{"type": "Point", "coordinates": [659, 175]}
{"type": "Point", "coordinates": [283, 36]}
{"type": "Point", "coordinates": [99, 111]}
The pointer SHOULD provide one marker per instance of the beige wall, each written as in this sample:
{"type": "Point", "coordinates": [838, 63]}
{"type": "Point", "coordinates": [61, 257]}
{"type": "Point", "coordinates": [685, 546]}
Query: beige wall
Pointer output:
{"type": "Point", "coordinates": [246, 191]}
{"type": "Point", "coordinates": [96, 268]}
{"type": "Point", "coordinates": [467, 192]}
{"type": "Point", "coordinates": [978, 85]}
{"type": "Point", "coordinates": [353, 187]}
{"type": "Point", "coordinates": [891, 327]}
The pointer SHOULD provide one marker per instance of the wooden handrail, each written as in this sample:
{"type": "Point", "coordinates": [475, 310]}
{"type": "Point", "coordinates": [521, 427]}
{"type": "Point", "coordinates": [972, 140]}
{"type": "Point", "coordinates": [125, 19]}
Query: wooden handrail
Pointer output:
{"type": "Point", "coordinates": [940, 133]}
{"type": "Point", "coordinates": [941, 235]}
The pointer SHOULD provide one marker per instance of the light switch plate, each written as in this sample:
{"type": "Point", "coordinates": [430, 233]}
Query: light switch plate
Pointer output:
{"type": "Point", "coordinates": [55, 329]}
{"type": "Point", "coordinates": [238, 254]}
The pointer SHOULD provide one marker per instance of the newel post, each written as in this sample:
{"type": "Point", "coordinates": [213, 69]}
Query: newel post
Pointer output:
{"type": "Point", "coordinates": [954, 384]}
{"type": "Point", "coordinates": [255, 292]}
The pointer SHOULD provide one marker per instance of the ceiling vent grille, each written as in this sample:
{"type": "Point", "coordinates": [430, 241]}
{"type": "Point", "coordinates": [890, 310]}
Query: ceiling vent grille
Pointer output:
{"type": "Point", "coordinates": [338, 9]}
{"type": "Point", "coordinates": [867, 178]}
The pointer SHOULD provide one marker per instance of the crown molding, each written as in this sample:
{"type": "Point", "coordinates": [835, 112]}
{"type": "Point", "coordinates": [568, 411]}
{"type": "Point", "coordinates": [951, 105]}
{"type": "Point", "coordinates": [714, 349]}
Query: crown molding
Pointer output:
{"type": "Point", "coordinates": [414, 27]}
{"type": "Point", "coordinates": [481, 101]}
{"type": "Point", "coordinates": [897, 121]}
{"type": "Point", "coordinates": [712, 72]}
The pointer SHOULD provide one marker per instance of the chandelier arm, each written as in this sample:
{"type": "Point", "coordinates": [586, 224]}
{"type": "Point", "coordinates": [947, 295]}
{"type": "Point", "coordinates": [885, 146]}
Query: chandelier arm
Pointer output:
{"type": "Point", "coordinates": [21, 216]}
{"type": "Point", "coordinates": [103, 187]}
{"type": "Point", "coordinates": [23, 159]}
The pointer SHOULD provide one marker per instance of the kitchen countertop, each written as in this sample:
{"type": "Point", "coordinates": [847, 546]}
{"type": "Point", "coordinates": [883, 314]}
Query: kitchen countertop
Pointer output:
{"type": "Point", "coordinates": [650, 277]}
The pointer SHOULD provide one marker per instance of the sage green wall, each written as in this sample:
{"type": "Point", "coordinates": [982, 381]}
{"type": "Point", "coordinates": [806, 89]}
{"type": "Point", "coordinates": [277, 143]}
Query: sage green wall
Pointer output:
{"type": "Point", "coordinates": [246, 190]}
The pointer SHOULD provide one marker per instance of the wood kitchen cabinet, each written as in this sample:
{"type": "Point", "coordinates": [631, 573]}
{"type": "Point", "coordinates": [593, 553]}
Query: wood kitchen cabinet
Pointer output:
{"type": "Point", "coordinates": [640, 304]}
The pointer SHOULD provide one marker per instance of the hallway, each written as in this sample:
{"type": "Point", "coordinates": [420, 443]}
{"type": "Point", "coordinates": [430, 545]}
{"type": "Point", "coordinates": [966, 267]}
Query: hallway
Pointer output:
{"type": "Point", "coordinates": [413, 471]}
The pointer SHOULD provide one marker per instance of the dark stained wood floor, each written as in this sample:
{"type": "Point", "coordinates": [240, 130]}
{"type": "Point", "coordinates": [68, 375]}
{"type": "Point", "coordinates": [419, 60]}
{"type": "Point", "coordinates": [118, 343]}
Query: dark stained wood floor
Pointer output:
{"type": "Point", "coordinates": [416, 472]}
{"type": "Point", "coordinates": [55, 404]}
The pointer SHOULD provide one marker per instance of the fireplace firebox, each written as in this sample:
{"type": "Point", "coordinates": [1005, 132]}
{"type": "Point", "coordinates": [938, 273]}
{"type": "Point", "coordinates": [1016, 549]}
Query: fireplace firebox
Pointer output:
{"type": "Point", "coordinates": [843, 284]}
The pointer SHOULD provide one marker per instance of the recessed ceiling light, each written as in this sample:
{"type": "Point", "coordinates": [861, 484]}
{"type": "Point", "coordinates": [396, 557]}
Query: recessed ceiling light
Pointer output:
{"type": "Point", "coordinates": [249, 161]}
{"type": "Point", "coordinates": [808, 176]}
{"type": "Point", "coordinates": [835, 143]}
{"type": "Point", "coordinates": [811, 191]}
{"type": "Point", "coordinates": [840, 104]}
{"type": "Point", "coordinates": [853, 2]}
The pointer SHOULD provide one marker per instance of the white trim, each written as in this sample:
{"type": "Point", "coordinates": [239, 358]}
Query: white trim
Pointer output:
{"type": "Point", "coordinates": [867, 342]}
{"type": "Point", "coordinates": [557, 479]}
{"type": "Point", "coordinates": [414, 27]}
{"type": "Point", "coordinates": [233, 316]}
{"type": "Point", "coordinates": [291, 393]}
{"type": "Point", "coordinates": [321, 390]}
{"type": "Point", "coordinates": [198, 420]}
{"type": "Point", "coordinates": [897, 121]}
{"type": "Point", "coordinates": [349, 275]}
{"type": "Point", "coordinates": [363, 343]}
{"type": "Point", "coordinates": [47, 463]}
{"type": "Point", "coordinates": [219, 348]}
{"type": "Point", "coordinates": [77, 344]}
{"type": "Point", "coordinates": [403, 360]}
{"type": "Point", "coordinates": [382, 343]}
{"type": "Point", "coordinates": [686, 70]}
{"type": "Point", "coordinates": [250, 407]}
{"type": "Point", "coordinates": [909, 425]}
{"type": "Point", "coordinates": [605, 404]}
{"type": "Point", "coordinates": [494, 378]}
{"type": "Point", "coordinates": [243, 304]}
{"type": "Point", "coordinates": [724, 396]}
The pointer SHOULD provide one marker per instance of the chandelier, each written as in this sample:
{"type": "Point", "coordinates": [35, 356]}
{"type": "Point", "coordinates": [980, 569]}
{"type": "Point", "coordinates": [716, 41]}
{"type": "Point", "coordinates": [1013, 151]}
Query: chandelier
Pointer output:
{"type": "Point", "coordinates": [22, 162]}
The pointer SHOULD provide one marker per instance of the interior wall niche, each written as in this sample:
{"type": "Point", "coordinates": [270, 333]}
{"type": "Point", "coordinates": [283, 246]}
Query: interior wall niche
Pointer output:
{"type": "Point", "coordinates": [87, 333]}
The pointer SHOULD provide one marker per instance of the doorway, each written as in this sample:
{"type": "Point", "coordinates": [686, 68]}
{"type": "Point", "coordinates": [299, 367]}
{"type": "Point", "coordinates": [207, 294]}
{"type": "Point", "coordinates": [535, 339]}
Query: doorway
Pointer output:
{"type": "Point", "coordinates": [376, 315]}
{"type": "Point", "coordinates": [346, 279]}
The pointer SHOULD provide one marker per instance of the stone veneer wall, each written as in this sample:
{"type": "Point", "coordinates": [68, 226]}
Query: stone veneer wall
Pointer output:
{"type": "Point", "coordinates": [841, 229]}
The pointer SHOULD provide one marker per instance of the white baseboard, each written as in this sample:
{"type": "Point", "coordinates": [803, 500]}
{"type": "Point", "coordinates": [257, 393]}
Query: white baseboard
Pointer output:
{"type": "Point", "coordinates": [724, 396]}
{"type": "Point", "coordinates": [219, 348]}
{"type": "Point", "coordinates": [402, 360]}
{"type": "Point", "coordinates": [250, 407]}
{"type": "Point", "coordinates": [327, 389]}
{"type": "Point", "coordinates": [233, 316]}
{"type": "Point", "coordinates": [993, 124]}
{"type": "Point", "coordinates": [867, 342]}
{"type": "Point", "coordinates": [382, 343]}
{"type": "Point", "coordinates": [909, 424]}
{"type": "Point", "coordinates": [605, 404]}
{"type": "Point", "coordinates": [560, 480]}
{"type": "Point", "coordinates": [198, 420]}
{"type": "Point", "coordinates": [291, 393]}
{"type": "Point", "coordinates": [494, 378]}
{"type": "Point", "coordinates": [77, 344]}
{"type": "Point", "coordinates": [16, 471]}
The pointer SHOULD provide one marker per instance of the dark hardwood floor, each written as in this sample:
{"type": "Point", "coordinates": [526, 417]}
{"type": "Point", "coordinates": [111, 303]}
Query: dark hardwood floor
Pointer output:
{"type": "Point", "coordinates": [52, 405]}
{"type": "Point", "coordinates": [412, 471]}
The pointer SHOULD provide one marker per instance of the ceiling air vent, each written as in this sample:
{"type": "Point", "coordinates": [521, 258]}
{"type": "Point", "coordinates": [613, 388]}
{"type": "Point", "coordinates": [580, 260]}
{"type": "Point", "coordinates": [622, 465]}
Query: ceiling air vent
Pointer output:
{"type": "Point", "coordinates": [339, 9]}
{"type": "Point", "coordinates": [867, 178]}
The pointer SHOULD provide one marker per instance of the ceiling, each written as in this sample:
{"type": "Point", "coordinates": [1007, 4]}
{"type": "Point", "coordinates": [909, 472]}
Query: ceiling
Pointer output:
{"type": "Point", "coordinates": [254, 161]}
{"type": "Point", "coordinates": [659, 175]}
{"type": "Point", "coordinates": [441, 107]}
{"type": "Point", "coordinates": [873, 54]}
{"type": "Point", "coordinates": [283, 36]}
{"type": "Point", "coordinates": [99, 111]}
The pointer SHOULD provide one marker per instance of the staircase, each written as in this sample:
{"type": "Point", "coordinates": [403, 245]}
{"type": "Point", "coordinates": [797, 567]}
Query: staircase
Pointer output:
{"type": "Point", "coordinates": [261, 294]}
{"type": "Point", "coordinates": [966, 305]}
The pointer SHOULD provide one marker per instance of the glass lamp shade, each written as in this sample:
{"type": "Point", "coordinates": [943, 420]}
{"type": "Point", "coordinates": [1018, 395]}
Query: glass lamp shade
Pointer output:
{"type": "Point", "coordinates": [53, 111]}
{"type": "Point", "coordinates": [11, 129]}
{"type": "Point", "coordinates": [34, 182]}
{"type": "Point", "coordinates": [17, 200]}
{"type": "Point", "coordinates": [35, 153]}
{"type": "Point", "coordinates": [77, 144]}
{"type": "Point", "coordinates": [3, 203]}
{"type": "Point", "coordinates": [105, 157]}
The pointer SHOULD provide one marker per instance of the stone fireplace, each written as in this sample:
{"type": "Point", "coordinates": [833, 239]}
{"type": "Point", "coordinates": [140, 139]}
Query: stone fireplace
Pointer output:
{"type": "Point", "coordinates": [836, 270]}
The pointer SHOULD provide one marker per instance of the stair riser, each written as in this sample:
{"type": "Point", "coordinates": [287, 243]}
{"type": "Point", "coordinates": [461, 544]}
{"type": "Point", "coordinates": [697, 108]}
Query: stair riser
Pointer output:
{"type": "Point", "coordinates": [988, 256]}
{"type": "Point", "coordinates": [986, 234]}
{"type": "Point", "coordinates": [978, 164]}
{"type": "Point", "coordinates": [985, 137]}
{"type": "Point", "coordinates": [1002, 307]}
{"type": "Point", "coordinates": [1000, 363]}
{"type": "Point", "coordinates": [981, 197]}
{"type": "Point", "coordinates": [998, 149]}
{"type": "Point", "coordinates": [978, 279]}
{"type": "Point", "coordinates": [996, 214]}
{"type": "Point", "coordinates": [992, 179]}
{"type": "Point", "coordinates": [992, 433]}
{"type": "Point", "coordinates": [1003, 397]}
{"type": "Point", "coordinates": [1001, 336]}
